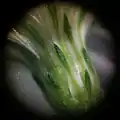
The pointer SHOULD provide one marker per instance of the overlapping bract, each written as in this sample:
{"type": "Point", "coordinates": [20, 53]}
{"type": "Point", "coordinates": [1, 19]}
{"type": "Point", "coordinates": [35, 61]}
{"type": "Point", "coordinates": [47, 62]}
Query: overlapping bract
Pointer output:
{"type": "Point", "coordinates": [51, 40]}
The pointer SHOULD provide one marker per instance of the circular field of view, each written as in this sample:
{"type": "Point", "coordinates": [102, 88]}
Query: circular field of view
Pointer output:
{"type": "Point", "coordinates": [59, 60]}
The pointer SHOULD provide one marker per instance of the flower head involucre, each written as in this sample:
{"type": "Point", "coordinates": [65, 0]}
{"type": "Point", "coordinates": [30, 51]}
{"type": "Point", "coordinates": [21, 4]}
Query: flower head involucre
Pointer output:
{"type": "Point", "coordinates": [52, 42]}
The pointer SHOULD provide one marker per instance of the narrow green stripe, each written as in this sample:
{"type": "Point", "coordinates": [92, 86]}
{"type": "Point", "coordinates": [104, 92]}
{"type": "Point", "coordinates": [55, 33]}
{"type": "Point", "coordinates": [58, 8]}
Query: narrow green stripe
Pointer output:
{"type": "Point", "coordinates": [87, 83]}
{"type": "Point", "coordinates": [53, 12]}
{"type": "Point", "coordinates": [67, 28]}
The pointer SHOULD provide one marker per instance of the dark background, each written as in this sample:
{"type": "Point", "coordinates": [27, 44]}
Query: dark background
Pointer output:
{"type": "Point", "coordinates": [107, 12]}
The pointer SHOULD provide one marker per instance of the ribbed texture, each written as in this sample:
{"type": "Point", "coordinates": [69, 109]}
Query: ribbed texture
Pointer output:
{"type": "Point", "coordinates": [55, 35]}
